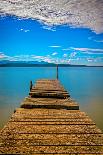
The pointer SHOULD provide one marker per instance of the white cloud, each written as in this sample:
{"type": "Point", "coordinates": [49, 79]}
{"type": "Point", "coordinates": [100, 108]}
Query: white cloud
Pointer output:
{"type": "Point", "coordinates": [96, 40]}
{"type": "Point", "coordinates": [90, 38]}
{"type": "Point", "coordinates": [66, 49]}
{"type": "Point", "coordinates": [99, 41]}
{"type": "Point", "coordinates": [92, 50]}
{"type": "Point", "coordinates": [65, 55]}
{"type": "Point", "coordinates": [55, 53]}
{"type": "Point", "coordinates": [2, 56]}
{"type": "Point", "coordinates": [20, 19]}
{"type": "Point", "coordinates": [72, 58]}
{"type": "Point", "coordinates": [55, 46]}
{"type": "Point", "coordinates": [24, 30]}
{"type": "Point", "coordinates": [49, 28]}
{"type": "Point", "coordinates": [90, 59]}
{"type": "Point", "coordinates": [73, 54]}
{"type": "Point", "coordinates": [76, 13]}
{"type": "Point", "coordinates": [86, 50]}
{"type": "Point", "coordinates": [37, 58]}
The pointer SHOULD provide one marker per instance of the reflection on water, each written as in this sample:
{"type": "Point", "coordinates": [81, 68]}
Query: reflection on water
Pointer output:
{"type": "Point", "coordinates": [83, 83]}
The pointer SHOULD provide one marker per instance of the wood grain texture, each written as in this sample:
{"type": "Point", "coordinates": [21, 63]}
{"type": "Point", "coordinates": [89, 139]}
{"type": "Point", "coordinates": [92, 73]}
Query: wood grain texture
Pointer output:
{"type": "Point", "coordinates": [48, 125]}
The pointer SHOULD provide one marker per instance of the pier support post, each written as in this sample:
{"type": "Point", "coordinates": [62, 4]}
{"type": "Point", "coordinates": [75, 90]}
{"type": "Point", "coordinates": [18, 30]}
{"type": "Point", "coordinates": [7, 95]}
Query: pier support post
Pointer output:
{"type": "Point", "coordinates": [31, 85]}
{"type": "Point", "coordinates": [57, 71]}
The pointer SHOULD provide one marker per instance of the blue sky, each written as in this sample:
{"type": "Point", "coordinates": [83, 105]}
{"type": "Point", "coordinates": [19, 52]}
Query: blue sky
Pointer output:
{"type": "Point", "coordinates": [32, 40]}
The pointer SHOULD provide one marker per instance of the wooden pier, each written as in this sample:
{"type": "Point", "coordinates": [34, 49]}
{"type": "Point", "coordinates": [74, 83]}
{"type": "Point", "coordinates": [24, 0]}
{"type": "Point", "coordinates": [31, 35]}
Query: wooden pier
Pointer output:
{"type": "Point", "coordinates": [50, 122]}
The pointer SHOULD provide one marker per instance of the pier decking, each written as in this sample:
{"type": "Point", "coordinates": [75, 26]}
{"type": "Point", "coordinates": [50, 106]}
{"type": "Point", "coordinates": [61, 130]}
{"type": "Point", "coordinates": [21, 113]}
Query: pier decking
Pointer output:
{"type": "Point", "coordinates": [50, 122]}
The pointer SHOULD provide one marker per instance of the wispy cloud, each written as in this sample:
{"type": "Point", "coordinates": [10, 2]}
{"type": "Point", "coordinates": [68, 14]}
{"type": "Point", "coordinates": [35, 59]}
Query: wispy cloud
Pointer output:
{"type": "Point", "coordinates": [49, 28]}
{"type": "Point", "coordinates": [91, 50]}
{"type": "Point", "coordinates": [55, 46]}
{"type": "Point", "coordinates": [24, 30]}
{"type": "Point", "coordinates": [73, 54]}
{"type": "Point", "coordinates": [38, 58]}
{"type": "Point", "coordinates": [71, 58]}
{"type": "Point", "coordinates": [96, 40]}
{"type": "Point", "coordinates": [99, 41]}
{"type": "Point", "coordinates": [55, 53]}
{"type": "Point", "coordinates": [66, 49]}
{"type": "Point", "coordinates": [90, 38]}
{"type": "Point", "coordinates": [2, 56]}
{"type": "Point", "coordinates": [65, 55]}
{"type": "Point", "coordinates": [84, 49]}
{"type": "Point", "coordinates": [77, 13]}
{"type": "Point", "coordinates": [90, 59]}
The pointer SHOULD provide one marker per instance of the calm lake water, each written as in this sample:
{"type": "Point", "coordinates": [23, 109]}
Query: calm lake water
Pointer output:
{"type": "Point", "coordinates": [85, 85]}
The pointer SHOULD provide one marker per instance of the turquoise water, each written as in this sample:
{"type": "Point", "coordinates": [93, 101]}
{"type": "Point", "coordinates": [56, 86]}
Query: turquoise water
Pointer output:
{"type": "Point", "coordinates": [83, 83]}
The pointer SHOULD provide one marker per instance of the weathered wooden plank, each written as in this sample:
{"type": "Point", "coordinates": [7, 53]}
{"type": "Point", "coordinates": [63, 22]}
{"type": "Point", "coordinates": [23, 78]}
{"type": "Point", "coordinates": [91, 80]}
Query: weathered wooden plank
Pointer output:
{"type": "Point", "coordinates": [49, 85]}
{"type": "Point", "coordinates": [48, 142]}
{"type": "Point", "coordinates": [52, 149]}
{"type": "Point", "coordinates": [49, 101]}
{"type": "Point", "coordinates": [19, 119]}
{"type": "Point", "coordinates": [70, 107]}
{"type": "Point", "coordinates": [49, 104]}
{"type": "Point", "coordinates": [41, 117]}
{"type": "Point", "coordinates": [53, 122]}
{"type": "Point", "coordinates": [52, 95]}
{"type": "Point", "coordinates": [48, 90]}
{"type": "Point", "coordinates": [56, 139]}
{"type": "Point", "coordinates": [19, 128]}
{"type": "Point", "coordinates": [49, 113]}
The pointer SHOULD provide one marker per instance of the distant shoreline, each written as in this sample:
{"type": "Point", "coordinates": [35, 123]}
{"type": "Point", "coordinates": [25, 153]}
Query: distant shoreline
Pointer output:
{"type": "Point", "coordinates": [44, 65]}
